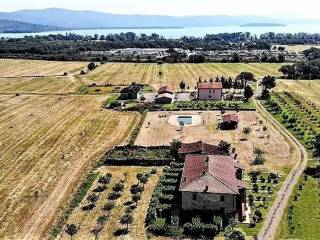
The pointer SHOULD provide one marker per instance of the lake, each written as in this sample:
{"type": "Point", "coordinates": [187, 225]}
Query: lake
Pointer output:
{"type": "Point", "coordinates": [188, 31]}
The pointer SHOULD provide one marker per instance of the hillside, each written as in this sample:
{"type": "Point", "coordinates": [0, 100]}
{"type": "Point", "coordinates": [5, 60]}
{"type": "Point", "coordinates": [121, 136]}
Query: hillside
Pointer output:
{"type": "Point", "coordinates": [8, 26]}
{"type": "Point", "coordinates": [92, 19]}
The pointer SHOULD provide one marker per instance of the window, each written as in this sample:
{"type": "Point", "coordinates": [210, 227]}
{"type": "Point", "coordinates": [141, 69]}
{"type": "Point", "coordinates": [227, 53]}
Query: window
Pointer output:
{"type": "Point", "coordinates": [210, 96]}
{"type": "Point", "coordinates": [222, 199]}
{"type": "Point", "coordinates": [209, 91]}
{"type": "Point", "coordinates": [194, 197]}
{"type": "Point", "coordinates": [213, 91]}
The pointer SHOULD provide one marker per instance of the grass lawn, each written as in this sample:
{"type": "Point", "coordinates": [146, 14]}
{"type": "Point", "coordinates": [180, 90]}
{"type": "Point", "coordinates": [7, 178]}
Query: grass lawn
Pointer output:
{"type": "Point", "coordinates": [302, 220]}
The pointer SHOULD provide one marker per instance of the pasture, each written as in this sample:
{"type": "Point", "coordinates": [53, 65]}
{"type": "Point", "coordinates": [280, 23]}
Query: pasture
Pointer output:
{"type": "Point", "coordinates": [47, 144]}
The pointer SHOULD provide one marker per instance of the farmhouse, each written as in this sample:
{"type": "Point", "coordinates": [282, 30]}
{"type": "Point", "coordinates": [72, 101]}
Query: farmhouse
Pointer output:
{"type": "Point", "coordinates": [209, 90]}
{"type": "Point", "coordinates": [213, 183]}
{"type": "Point", "coordinates": [197, 148]}
{"type": "Point", "coordinates": [229, 122]}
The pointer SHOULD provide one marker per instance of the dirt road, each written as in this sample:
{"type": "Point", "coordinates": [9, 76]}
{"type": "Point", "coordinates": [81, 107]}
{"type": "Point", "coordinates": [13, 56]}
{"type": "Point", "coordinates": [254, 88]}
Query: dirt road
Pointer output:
{"type": "Point", "coordinates": [274, 216]}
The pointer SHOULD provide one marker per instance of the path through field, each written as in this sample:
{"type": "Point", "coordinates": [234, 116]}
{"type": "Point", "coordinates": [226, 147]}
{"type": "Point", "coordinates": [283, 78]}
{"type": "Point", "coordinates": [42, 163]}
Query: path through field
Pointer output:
{"type": "Point", "coordinates": [277, 210]}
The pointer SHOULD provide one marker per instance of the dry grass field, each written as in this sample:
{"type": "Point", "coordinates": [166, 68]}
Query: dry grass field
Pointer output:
{"type": "Point", "coordinates": [47, 143]}
{"type": "Point", "coordinates": [297, 48]}
{"type": "Point", "coordinates": [125, 73]}
{"type": "Point", "coordinates": [43, 77]}
{"type": "Point", "coordinates": [160, 132]}
{"type": "Point", "coordinates": [86, 220]}
{"type": "Point", "coordinates": [31, 76]}
{"type": "Point", "coordinates": [307, 89]}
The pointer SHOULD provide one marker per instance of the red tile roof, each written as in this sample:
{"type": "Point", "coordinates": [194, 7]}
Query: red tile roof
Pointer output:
{"type": "Point", "coordinates": [210, 85]}
{"type": "Point", "coordinates": [198, 147]}
{"type": "Point", "coordinates": [212, 174]}
{"type": "Point", "coordinates": [230, 118]}
{"type": "Point", "coordinates": [166, 89]}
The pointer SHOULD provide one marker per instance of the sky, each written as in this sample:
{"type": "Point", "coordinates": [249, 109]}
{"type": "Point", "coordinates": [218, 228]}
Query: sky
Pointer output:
{"type": "Point", "coordinates": [278, 8]}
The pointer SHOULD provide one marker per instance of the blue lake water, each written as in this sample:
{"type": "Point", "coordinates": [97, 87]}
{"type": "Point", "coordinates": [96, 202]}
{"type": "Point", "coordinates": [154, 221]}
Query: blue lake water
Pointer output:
{"type": "Point", "coordinates": [180, 32]}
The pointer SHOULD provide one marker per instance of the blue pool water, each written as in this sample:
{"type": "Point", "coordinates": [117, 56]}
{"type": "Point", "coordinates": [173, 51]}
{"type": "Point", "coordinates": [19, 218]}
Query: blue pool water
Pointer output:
{"type": "Point", "coordinates": [186, 120]}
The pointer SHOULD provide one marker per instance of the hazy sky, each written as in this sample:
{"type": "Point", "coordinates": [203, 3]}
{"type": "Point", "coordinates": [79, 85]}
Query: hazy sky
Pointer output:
{"type": "Point", "coordinates": [304, 8]}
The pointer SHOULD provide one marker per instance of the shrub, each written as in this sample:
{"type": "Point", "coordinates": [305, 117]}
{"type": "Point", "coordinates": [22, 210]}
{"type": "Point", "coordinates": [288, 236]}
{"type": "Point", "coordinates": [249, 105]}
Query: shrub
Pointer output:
{"type": "Point", "coordinates": [136, 189]}
{"type": "Point", "coordinates": [93, 198]}
{"type": "Point", "coordinates": [197, 228]}
{"type": "Point", "coordinates": [118, 187]}
{"type": "Point", "coordinates": [105, 179]}
{"type": "Point", "coordinates": [114, 195]}
{"type": "Point", "coordinates": [234, 233]}
{"type": "Point", "coordinates": [258, 214]}
{"type": "Point", "coordinates": [100, 188]}
{"type": "Point", "coordinates": [159, 226]}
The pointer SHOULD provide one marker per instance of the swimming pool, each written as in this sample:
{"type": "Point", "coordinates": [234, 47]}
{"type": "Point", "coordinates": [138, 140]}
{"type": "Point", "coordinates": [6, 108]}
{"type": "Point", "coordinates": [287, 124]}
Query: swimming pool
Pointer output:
{"type": "Point", "coordinates": [186, 120]}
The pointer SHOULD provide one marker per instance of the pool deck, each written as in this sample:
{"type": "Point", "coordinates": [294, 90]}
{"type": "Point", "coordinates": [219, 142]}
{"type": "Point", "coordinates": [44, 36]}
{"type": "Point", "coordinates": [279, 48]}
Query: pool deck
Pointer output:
{"type": "Point", "coordinates": [196, 120]}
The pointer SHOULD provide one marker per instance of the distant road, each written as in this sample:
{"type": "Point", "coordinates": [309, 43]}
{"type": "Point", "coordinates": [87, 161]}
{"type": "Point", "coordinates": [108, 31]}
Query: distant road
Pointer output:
{"type": "Point", "coordinates": [276, 212]}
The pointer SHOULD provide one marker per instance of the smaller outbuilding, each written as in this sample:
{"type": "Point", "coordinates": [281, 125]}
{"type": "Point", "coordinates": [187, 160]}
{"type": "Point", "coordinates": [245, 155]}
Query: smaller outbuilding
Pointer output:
{"type": "Point", "coordinates": [164, 98]}
{"type": "Point", "coordinates": [130, 93]}
{"type": "Point", "coordinates": [165, 95]}
{"type": "Point", "coordinates": [229, 122]}
{"type": "Point", "coordinates": [166, 89]}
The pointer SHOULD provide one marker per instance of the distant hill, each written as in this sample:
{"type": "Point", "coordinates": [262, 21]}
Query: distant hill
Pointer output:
{"type": "Point", "coordinates": [263, 25]}
{"type": "Point", "coordinates": [91, 19]}
{"type": "Point", "coordinates": [8, 26]}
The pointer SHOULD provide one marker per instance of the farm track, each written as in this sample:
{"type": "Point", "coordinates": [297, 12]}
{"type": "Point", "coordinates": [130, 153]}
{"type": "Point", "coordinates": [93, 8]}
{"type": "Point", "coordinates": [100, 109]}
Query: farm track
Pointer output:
{"type": "Point", "coordinates": [277, 210]}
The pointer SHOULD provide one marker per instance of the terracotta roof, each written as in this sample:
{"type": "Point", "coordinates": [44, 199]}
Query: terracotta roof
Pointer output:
{"type": "Point", "coordinates": [166, 89]}
{"type": "Point", "coordinates": [198, 147]}
{"type": "Point", "coordinates": [210, 85]}
{"type": "Point", "coordinates": [230, 118]}
{"type": "Point", "coordinates": [212, 174]}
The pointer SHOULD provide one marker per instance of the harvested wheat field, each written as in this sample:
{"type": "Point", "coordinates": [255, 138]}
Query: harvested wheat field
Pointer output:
{"type": "Point", "coordinates": [125, 73]}
{"type": "Point", "coordinates": [161, 131]}
{"type": "Point", "coordinates": [20, 68]}
{"type": "Point", "coordinates": [307, 89]}
{"type": "Point", "coordinates": [47, 143]}
{"type": "Point", "coordinates": [31, 76]}
{"type": "Point", "coordinates": [87, 220]}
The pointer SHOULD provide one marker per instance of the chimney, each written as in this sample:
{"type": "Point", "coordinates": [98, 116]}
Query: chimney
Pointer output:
{"type": "Point", "coordinates": [184, 179]}
{"type": "Point", "coordinates": [206, 189]}
{"type": "Point", "coordinates": [235, 156]}
{"type": "Point", "coordinates": [203, 172]}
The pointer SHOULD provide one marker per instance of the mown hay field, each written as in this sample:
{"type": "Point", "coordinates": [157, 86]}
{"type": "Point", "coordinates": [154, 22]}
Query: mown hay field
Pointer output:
{"type": "Point", "coordinates": [173, 74]}
{"type": "Point", "coordinates": [47, 143]}
{"type": "Point", "coordinates": [32, 76]}
{"type": "Point", "coordinates": [306, 89]}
